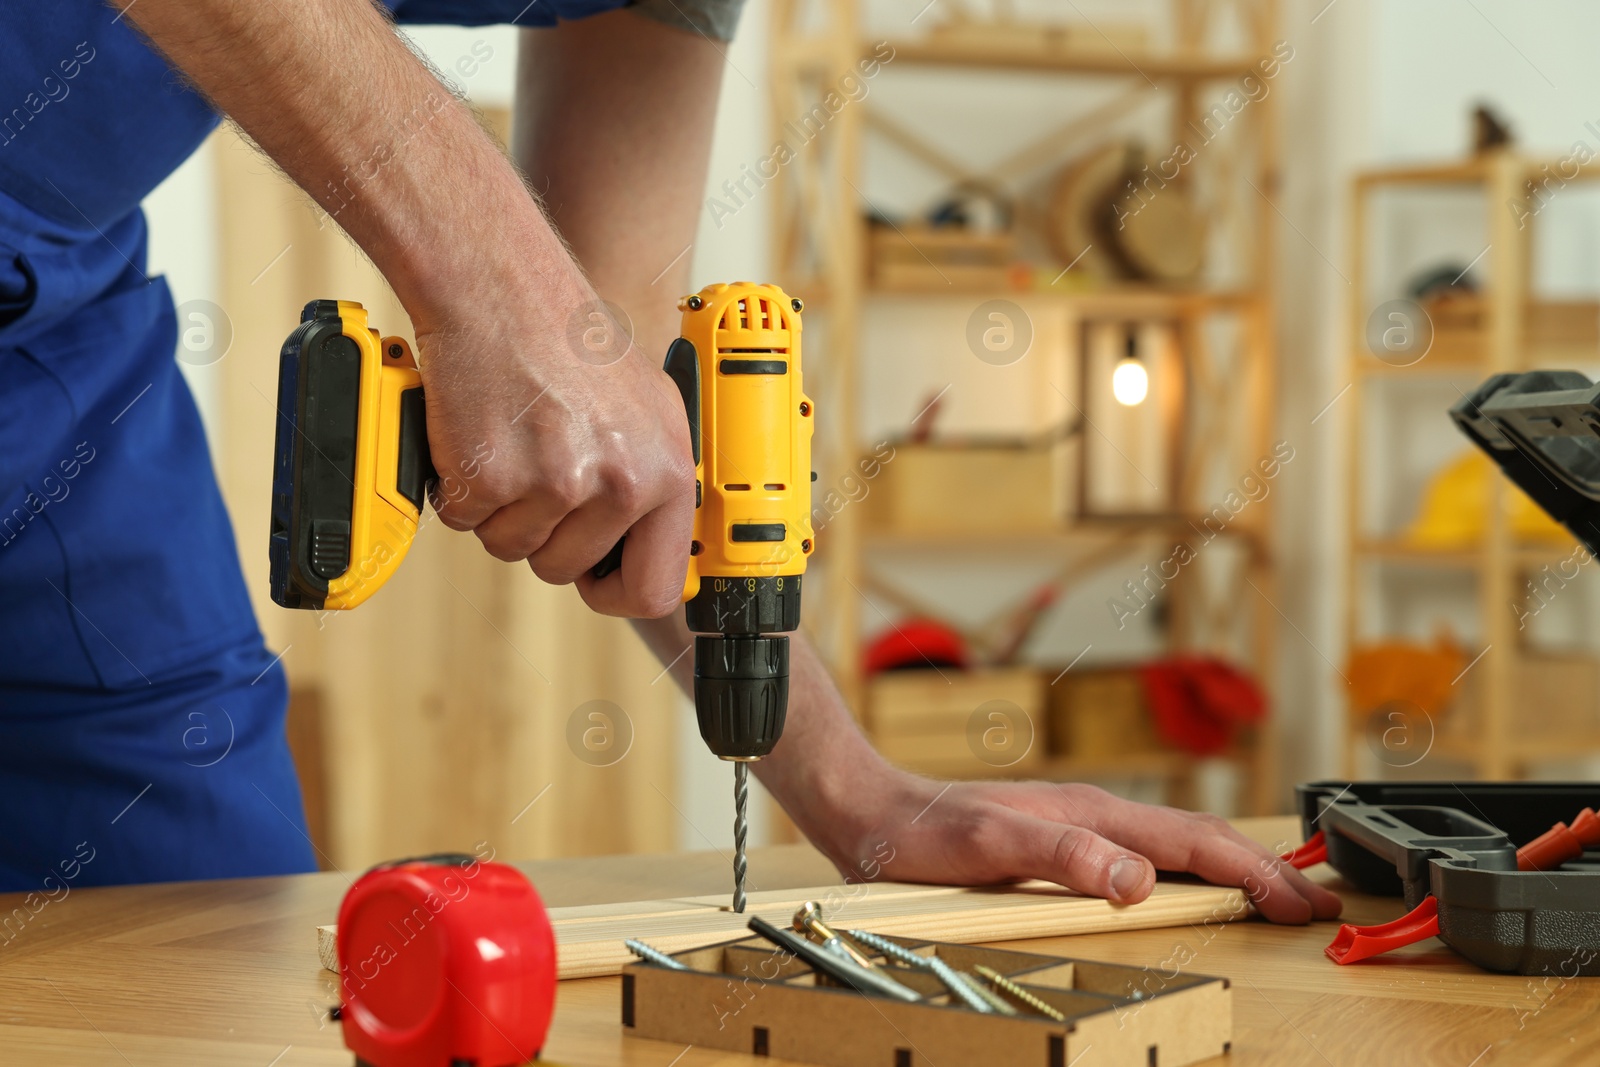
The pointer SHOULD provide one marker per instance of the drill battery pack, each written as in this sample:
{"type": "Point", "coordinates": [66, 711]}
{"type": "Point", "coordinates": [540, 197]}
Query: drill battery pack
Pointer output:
{"type": "Point", "coordinates": [351, 465]}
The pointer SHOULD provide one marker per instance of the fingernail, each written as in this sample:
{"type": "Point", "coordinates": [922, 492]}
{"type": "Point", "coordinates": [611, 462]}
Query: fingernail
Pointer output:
{"type": "Point", "coordinates": [1127, 876]}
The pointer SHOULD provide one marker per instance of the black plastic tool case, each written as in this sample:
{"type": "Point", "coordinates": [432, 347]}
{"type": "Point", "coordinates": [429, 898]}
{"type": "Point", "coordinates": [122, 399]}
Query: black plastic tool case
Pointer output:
{"type": "Point", "coordinates": [1458, 841]}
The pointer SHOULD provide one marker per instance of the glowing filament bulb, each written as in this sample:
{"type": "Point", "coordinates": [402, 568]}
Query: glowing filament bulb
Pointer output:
{"type": "Point", "coordinates": [1130, 382]}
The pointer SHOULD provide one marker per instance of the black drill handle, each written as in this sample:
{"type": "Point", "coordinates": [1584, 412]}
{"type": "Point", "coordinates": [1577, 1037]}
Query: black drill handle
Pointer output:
{"type": "Point", "coordinates": [684, 369]}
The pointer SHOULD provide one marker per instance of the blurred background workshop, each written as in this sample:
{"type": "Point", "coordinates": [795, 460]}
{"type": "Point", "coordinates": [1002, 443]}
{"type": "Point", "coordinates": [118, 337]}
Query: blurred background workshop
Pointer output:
{"type": "Point", "coordinates": [1115, 487]}
{"type": "Point", "coordinates": [1134, 330]}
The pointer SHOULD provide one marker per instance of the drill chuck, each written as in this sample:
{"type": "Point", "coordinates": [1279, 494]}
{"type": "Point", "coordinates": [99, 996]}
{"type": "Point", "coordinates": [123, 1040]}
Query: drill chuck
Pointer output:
{"type": "Point", "coordinates": [741, 693]}
{"type": "Point", "coordinates": [745, 605]}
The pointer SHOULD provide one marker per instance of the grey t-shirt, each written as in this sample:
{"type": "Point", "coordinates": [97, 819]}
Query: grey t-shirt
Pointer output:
{"type": "Point", "coordinates": [713, 18]}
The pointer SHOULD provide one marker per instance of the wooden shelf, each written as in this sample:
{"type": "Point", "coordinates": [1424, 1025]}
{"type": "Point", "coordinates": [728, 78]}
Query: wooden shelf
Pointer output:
{"type": "Point", "coordinates": [1394, 551]}
{"type": "Point", "coordinates": [1365, 365]}
{"type": "Point", "coordinates": [823, 247]}
{"type": "Point", "coordinates": [1479, 169]}
{"type": "Point", "coordinates": [1502, 327]}
{"type": "Point", "coordinates": [1069, 768]}
{"type": "Point", "coordinates": [987, 55]}
{"type": "Point", "coordinates": [1524, 749]}
{"type": "Point", "coordinates": [1130, 299]}
{"type": "Point", "coordinates": [1089, 534]}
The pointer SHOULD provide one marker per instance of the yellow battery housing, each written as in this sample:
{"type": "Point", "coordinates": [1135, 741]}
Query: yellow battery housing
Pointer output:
{"type": "Point", "coordinates": [755, 421]}
{"type": "Point", "coordinates": [352, 466]}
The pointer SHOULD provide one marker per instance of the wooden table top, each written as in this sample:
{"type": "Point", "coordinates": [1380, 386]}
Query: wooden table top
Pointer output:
{"type": "Point", "coordinates": [216, 973]}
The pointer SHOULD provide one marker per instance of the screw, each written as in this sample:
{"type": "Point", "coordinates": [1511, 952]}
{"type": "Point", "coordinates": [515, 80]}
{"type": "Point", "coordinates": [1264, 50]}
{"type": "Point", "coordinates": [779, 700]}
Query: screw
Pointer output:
{"type": "Point", "coordinates": [797, 305]}
{"type": "Point", "coordinates": [695, 303]}
{"type": "Point", "coordinates": [808, 920]}
{"type": "Point", "coordinates": [1020, 995]}
{"type": "Point", "coordinates": [805, 409]}
{"type": "Point", "coordinates": [395, 351]}
{"type": "Point", "coordinates": [959, 989]}
{"type": "Point", "coordinates": [990, 997]}
{"type": "Point", "coordinates": [805, 546]}
{"type": "Point", "coordinates": [655, 956]}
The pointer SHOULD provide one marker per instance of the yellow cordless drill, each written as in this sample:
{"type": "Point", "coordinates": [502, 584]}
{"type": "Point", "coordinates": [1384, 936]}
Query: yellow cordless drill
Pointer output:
{"type": "Point", "coordinates": [351, 469]}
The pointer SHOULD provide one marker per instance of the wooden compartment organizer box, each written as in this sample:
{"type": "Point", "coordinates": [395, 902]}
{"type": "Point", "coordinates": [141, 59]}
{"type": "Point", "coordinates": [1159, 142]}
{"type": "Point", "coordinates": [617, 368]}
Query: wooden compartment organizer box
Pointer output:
{"type": "Point", "coordinates": [749, 996]}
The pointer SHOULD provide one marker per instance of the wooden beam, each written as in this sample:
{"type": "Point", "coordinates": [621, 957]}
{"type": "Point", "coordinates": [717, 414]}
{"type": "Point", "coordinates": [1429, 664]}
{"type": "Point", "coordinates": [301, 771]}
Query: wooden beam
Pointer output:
{"type": "Point", "coordinates": [589, 937]}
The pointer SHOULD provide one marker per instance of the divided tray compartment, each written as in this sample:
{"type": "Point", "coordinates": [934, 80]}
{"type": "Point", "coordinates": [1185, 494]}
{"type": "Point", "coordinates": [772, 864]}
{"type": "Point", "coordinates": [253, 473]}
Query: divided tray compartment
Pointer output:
{"type": "Point", "coordinates": [750, 996]}
{"type": "Point", "coordinates": [1458, 842]}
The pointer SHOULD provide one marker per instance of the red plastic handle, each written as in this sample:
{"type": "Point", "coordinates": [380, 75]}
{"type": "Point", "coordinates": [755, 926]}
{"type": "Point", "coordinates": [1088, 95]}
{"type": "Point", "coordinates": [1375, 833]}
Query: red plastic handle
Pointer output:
{"type": "Point", "coordinates": [1560, 843]}
{"type": "Point", "coordinates": [1356, 943]}
{"type": "Point", "coordinates": [1313, 852]}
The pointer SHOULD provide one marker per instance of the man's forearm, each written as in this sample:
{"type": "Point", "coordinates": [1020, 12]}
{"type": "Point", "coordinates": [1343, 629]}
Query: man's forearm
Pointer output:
{"type": "Point", "coordinates": [823, 765]}
{"type": "Point", "coordinates": [614, 127]}
{"type": "Point", "coordinates": [330, 92]}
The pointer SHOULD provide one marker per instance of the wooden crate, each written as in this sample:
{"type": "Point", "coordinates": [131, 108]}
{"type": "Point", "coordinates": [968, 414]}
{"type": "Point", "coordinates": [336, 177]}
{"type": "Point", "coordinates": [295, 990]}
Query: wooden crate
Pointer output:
{"type": "Point", "coordinates": [1551, 328]}
{"type": "Point", "coordinates": [913, 257]}
{"type": "Point", "coordinates": [750, 997]}
{"type": "Point", "coordinates": [1100, 714]}
{"type": "Point", "coordinates": [940, 720]}
{"type": "Point", "coordinates": [971, 487]}
{"type": "Point", "coordinates": [1556, 695]}
{"type": "Point", "coordinates": [1044, 39]}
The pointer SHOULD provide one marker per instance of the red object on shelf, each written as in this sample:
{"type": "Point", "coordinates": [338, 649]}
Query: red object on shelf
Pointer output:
{"type": "Point", "coordinates": [1560, 843]}
{"type": "Point", "coordinates": [1313, 852]}
{"type": "Point", "coordinates": [1199, 703]}
{"type": "Point", "coordinates": [1356, 943]}
{"type": "Point", "coordinates": [445, 959]}
{"type": "Point", "coordinates": [915, 643]}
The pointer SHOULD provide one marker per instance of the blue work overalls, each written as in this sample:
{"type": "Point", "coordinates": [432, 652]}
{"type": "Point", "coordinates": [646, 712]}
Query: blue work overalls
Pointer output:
{"type": "Point", "coordinates": [141, 715]}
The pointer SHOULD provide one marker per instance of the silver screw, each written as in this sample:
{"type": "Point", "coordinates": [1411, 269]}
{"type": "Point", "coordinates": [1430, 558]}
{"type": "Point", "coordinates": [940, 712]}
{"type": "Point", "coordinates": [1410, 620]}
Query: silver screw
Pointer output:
{"type": "Point", "coordinates": [959, 988]}
{"type": "Point", "coordinates": [655, 956]}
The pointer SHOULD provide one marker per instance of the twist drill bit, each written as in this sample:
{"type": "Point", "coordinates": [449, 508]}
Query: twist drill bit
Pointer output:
{"type": "Point", "coordinates": [959, 988]}
{"type": "Point", "coordinates": [741, 830]}
{"type": "Point", "coordinates": [652, 955]}
{"type": "Point", "coordinates": [1018, 994]}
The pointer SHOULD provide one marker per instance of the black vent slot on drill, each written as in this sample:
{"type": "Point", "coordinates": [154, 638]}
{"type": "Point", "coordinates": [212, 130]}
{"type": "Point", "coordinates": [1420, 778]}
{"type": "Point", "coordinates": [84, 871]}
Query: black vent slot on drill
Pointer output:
{"type": "Point", "coordinates": [758, 531]}
{"type": "Point", "coordinates": [753, 366]}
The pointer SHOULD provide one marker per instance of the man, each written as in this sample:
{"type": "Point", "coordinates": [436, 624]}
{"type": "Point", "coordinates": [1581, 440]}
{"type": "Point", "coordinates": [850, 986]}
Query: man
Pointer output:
{"type": "Point", "coordinates": [123, 603]}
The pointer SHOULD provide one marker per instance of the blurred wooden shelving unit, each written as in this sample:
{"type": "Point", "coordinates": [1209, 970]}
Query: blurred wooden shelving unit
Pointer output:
{"type": "Point", "coordinates": [822, 251]}
{"type": "Point", "coordinates": [1502, 328]}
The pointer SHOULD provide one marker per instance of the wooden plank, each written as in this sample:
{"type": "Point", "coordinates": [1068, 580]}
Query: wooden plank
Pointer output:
{"type": "Point", "coordinates": [590, 936]}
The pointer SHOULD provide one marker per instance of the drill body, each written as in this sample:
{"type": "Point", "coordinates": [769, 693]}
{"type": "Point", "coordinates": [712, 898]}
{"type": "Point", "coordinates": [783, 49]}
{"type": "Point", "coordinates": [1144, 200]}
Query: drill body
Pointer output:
{"type": "Point", "coordinates": [351, 470]}
{"type": "Point", "coordinates": [751, 424]}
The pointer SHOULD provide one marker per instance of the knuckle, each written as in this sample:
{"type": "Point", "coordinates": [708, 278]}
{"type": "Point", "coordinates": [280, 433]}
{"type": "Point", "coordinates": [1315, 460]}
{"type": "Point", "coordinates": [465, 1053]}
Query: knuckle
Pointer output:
{"type": "Point", "coordinates": [497, 488]}
{"type": "Point", "coordinates": [628, 491]}
{"type": "Point", "coordinates": [659, 604]}
{"type": "Point", "coordinates": [551, 573]}
{"type": "Point", "coordinates": [1092, 794]}
{"type": "Point", "coordinates": [973, 833]}
{"type": "Point", "coordinates": [563, 487]}
{"type": "Point", "coordinates": [500, 547]}
{"type": "Point", "coordinates": [1075, 848]}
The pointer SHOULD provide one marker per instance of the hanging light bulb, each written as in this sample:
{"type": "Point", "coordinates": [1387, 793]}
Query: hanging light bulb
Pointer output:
{"type": "Point", "coordinates": [1130, 382]}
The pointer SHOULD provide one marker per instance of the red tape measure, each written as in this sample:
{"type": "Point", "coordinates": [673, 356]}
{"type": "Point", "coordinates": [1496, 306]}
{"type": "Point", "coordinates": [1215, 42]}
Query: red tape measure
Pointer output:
{"type": "Point", "coordinates": [443, 960]}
